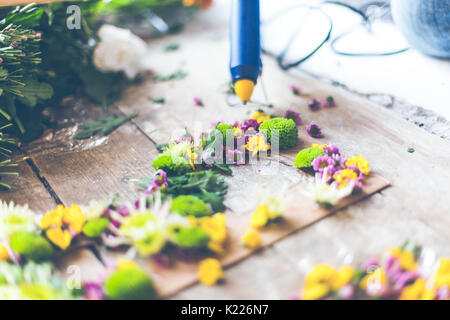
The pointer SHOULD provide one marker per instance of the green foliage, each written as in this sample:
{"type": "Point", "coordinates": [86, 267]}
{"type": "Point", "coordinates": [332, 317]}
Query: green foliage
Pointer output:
{"type": "Point", "coordinates": [187, 205]}
{"type": "Point", "coordinates": [130, 284]}
{"type": "Point", "coordinates": [306, 156]}
{"type": "Point", "coordinates": [31, 246]}
{"type": "Point", "coordinates": [282, 129]}
{"type": "Point", "coordinates": [179, 74]}
{"type": "Point", "coordinates": [166, 163]}
{"type": "Point", "coordinates": [189, 237]}
{"type": "Point", "coordinates": [223, 128]}
{"type": "Point", "coordinates": [208, 186]}
{"type": "Point", "coordinates": [95, 227]}
{"type": "Point", "coordinates": [103, 126]}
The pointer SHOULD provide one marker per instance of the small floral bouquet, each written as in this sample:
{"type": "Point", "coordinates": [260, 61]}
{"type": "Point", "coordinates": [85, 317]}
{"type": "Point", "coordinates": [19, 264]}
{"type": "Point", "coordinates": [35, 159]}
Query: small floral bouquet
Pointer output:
{"type": "Point", "coordinates": [403, 273]}
{"type": "Point", "coordinates": [336, 175]}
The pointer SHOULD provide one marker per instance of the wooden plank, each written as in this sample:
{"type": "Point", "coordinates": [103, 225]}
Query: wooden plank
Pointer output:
{"type": "Point", "coordinates": [94, 169]}
{"type": "Point", "coordinates": [27, 189]}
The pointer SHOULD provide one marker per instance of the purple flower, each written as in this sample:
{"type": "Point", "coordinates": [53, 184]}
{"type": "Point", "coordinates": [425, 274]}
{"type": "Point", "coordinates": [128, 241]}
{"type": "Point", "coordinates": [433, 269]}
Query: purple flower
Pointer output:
{"type": "Point", "coordinates": [235, 157]}
{"type": "Point", "coordinates": [291, 114]}
{"type": "Point", "coordinates": [93, 291]}
{"type": "Point", "coordinates": [14, 44]}
{"type": "Point", "coordinates": [443, 293]}
{"type": "Point", "coordinates": [251, 123]}
{"type": "Point", "coordinates": [314, 130]}
{"type": "Point", "coordinates": [329, 102]}
{"type": "Point", "coordinates": [296, 90]}
{"type": "Point", "coordinates": [314, 104]}
{"type": "Point", "coordinates": [330, 150]}
{"type": "Point", "coordinates": [321, 163]}
{"type": "Point", "coordinates": [160, 181]}
{"type": "Point", "coordinates": [198, 102]}
{"type": "Point", "coordinates": [339, 162]}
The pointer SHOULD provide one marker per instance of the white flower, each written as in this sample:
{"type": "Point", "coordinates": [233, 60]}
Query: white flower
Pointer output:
{"type": "Point", "coordinates": [15, 218]}
{"type": "Point", "coordinates": [120, 50]}
{"type": "Point", "coordinates": [327, 194]}
{"type": "Point", "coordinates": [277, 202]}
{"type": "Point", "coordinates": [95, 209]}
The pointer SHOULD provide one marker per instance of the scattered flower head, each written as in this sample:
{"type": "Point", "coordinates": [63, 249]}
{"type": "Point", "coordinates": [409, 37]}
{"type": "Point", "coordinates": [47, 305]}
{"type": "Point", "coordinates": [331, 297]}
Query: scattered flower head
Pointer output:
{"type": "Point", "coordinates": [296, 90]}
{"type": "Point", "coordinates": [314, 130]}
{"type": "Point", "coordinates": [260, 116]}
{"type": "Point", "coordinates": [314, 105]}
{"type": "Point", "coordinates": [251, 239]}
{"type": "Point", "coordinates": [160, 181]}
{"type": "Point", "coordinates": [210, 271]}
{"type": "Point", "coordinates": [198, 102]}
{"type": "Point", "coordinates": [329, 102]}
{"type": "Point", "coordinates": [295, 116]}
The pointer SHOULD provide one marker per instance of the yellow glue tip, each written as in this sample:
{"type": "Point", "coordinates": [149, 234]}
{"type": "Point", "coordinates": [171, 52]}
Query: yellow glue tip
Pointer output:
{"type": "Point", "coordinates": [244, 89]}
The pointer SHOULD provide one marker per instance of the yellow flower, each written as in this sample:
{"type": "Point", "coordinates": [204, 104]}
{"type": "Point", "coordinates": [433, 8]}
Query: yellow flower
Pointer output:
{"type": "Point", "coordinates": [377, 277]}
{"type": "Point", "coordinates": [126, 264]}
{"type": "Point", "coordinates": [74, 217]}
{"type": "Point", "coordinates": [321, 273]}
{"type": "Point", "coordinates": [260, 116]}
{"type": "Point", "coordinates": [315, 291]}
{"type": "Point", "coordinates": [260, 217]}
{"type": "Point", "coordinates": [257, 143]}
{"type": "Point", "coordinates": [442, 276]}
{"type": "Point", "coordinates": [275, 207]}
{"type": "Point", "coordinates": [4, 254]}
{"type": "Point", "coordinates": [319, 146]}
{"type": "Point", "coordinates": [59, 237]}
{"type": "Point", "coordinates": [210, 271]}
{"type": "Point", "coordinates": [251, 239]}
{"type": "Point", "coordinates": [53, 218]}
{"type": "Point", "coordinates": [215, 227]}
{"type": "Point", "coordinates": [360, 162]}
{"type": "Point", "coordinates": [341, 278]}
{"type": "Point", "coordinates": [406, 259]}
{"type": "Point", "coordinates": [344, 176]}
{"type": "Point", "coordinates": [237, 131]}
{"type": "Point", "coordinates": [191, 156]}
{"type": "Point", "coordinates": [417, 291]}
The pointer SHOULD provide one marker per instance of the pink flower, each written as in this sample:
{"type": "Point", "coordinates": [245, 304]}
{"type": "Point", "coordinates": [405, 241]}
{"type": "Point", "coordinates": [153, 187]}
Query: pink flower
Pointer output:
{"type": "Point", "coordinates": [314, 104]}
{"type": "Point", "coordinates": [250, 123]}
{"type": "Point", "coordinates": [93, 291]}
{"type": "Point", "coordinates": [235, 157]}
{"type": "Point", "coordinates": [346, 292]}
{"type": "Point", "coordinates": [160, 181]}
{"type": "Point", "coordinates": [295, 116]}
{"type": "Point", "coordinates": [296, 90]}
{"type": "Point", "coordinates": [329, 102]}
{"type": "Point", "coordinates": [330, 150]}
{"type": "Point", "coordinates": [321, 163]}
{"type": "Point", "coordinates": [198, 102]}
{"type": "Point", "coordinates": [314, 130]}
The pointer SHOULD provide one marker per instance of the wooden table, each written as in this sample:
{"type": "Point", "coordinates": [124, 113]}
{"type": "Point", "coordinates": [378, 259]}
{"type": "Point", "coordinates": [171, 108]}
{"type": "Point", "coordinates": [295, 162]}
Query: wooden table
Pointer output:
{"type": "Point", "coordinates": [62, 170]}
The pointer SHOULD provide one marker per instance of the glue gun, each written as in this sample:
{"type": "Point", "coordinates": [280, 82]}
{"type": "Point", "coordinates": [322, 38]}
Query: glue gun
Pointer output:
{"type": "Point", "coordinates": [245, 44]}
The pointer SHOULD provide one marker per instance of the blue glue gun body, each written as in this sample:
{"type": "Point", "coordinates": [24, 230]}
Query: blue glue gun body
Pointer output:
{"type": "Point", "coordinates": [245, 56]}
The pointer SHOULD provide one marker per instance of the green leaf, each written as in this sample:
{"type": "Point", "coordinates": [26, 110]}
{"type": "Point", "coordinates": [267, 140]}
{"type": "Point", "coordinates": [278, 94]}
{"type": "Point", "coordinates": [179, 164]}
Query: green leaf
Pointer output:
{"type": "Point", "coordinates": [103, 126]}
{"type": "Point", "coordinates": [179, 74]}
{"type": "Point", "coordinates": [35, 90]}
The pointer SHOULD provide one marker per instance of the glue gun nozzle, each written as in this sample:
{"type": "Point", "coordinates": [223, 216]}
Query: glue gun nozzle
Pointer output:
{"type": "Point", "coordinates": [244, 89]}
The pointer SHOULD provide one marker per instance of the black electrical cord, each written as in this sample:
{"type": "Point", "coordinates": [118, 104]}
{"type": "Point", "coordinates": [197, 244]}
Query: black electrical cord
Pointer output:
{"type": "Point", "coordinates": [365, 21]}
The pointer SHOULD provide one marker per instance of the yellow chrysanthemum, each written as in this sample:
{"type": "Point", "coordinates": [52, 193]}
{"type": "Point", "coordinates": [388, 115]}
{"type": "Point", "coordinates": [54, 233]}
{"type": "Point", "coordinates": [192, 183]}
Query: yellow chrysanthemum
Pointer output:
{"type": "Point", "coordinates": [321, 273]}
{"type": "Point", "coordinates": [53, 218]}
{"type": "Point", "coordinates": [251, 240]}
{"type": "Point", "coordinates": [342, 278]}
{"type": "Point", "coordinates": [257, 143]}
{"type": "Point", "coordinates": [442, 276]}
{"type": "Point", "coordinates": [126, 264]}
{"type": "Point", "coordinates": [360, 162]}
{"type": "Point", "coordinates": [315, 291]}
{"type": "Point", "coordinates": [215, 227]}
{"type": "Point", "coordinates": [237, 131]}
{"type": "Point", "coordinates": [418, 291]}
{"type": "Point", "coordinates": [377, 277]}
{"type": "Point", "coordinates": [319, 146]}
{"type": "Point", "coordinates": [406, 259]}
{"type": "Point", "coordinates": [260, 217]}
{"type": "Point", "coordinates": [344, 177]}
{"type": "Point", "coordinates": [74, 218]}
{"type": "Point", "coordinates": [210, 271]}
{"type": "Point", "coordinates": [260, 116]}
{"type": "Point", "coordinates": [60, 238]}
{"type": "Point", "coordinates": [4, 254]}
